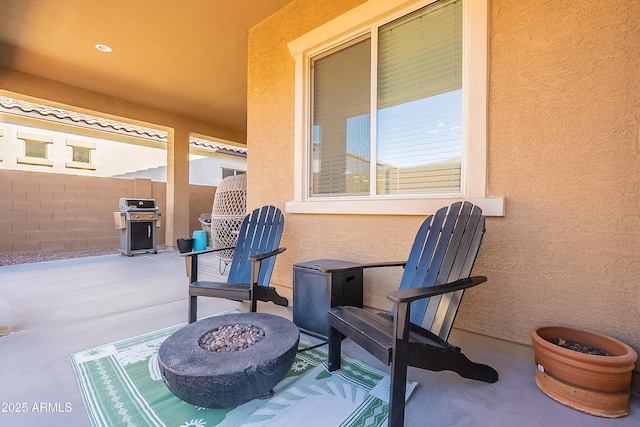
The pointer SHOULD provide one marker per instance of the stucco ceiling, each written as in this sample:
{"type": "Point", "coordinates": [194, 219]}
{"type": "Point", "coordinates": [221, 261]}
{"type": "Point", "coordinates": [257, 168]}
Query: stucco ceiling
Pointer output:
{"type": "Point", "coordinates": [183, 56]}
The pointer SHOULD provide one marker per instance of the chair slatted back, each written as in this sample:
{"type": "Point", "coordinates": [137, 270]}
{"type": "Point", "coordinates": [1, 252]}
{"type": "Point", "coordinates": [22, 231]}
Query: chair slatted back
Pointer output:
{"type": "Point", "coordinates": [444, 250]}
{"type": "Point", "coordinates": [259, 232]}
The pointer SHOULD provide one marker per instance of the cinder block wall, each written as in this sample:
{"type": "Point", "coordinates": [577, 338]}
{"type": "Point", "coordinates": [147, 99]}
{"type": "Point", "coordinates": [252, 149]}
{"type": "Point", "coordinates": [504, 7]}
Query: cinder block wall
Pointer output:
{"type": "Point", "coordinates": [44, 212]}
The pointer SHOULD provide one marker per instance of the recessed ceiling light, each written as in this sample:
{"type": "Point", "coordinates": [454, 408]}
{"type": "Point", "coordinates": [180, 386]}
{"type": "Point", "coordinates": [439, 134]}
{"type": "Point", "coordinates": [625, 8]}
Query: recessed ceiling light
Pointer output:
{"type": "Point", "coordinates": [103, 48]}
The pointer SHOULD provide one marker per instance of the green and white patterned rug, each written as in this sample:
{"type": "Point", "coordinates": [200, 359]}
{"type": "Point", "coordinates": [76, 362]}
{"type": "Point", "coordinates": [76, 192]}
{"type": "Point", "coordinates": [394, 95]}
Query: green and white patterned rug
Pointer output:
{"type": "Point", "coordinates": [121, 385]}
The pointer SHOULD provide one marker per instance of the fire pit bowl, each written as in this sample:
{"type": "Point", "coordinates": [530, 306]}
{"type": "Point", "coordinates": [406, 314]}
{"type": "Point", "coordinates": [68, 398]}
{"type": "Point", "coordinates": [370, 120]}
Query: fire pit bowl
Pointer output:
{"type": "Point", "coordinates": [591, 383]}
{"type": "Point", "coordinates": [231, 377]}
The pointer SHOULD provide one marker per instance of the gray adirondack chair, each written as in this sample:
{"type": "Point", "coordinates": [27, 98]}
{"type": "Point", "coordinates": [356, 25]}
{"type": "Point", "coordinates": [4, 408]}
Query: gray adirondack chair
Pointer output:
{"type": "Point", "coordinates": [253, 259]}
{"type": "Point", "coordinates": [415, 333]}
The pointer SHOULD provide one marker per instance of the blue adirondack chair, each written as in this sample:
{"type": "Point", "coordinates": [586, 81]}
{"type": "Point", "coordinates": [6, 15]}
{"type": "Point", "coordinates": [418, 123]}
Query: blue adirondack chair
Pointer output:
{"type": "Point", "coordinates": [415, 333]}
{"type": "Point", "coordinates": [251, 267]}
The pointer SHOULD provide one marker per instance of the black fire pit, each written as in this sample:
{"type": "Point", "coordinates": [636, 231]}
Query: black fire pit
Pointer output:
{"type": "Point", "coordinates": [230, 377]}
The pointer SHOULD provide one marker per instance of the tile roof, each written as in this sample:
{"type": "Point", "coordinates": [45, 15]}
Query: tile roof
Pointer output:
{"type": "Point", "coordinates": [59, 115]}
{"type": "Point", "coordinates": [216, 146]}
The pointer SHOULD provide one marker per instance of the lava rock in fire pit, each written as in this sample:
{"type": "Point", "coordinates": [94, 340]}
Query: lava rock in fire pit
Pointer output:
{"type": "Point", "coordinates": [228, 378]}
{"type": "Point", "coordinates": [231, 338]}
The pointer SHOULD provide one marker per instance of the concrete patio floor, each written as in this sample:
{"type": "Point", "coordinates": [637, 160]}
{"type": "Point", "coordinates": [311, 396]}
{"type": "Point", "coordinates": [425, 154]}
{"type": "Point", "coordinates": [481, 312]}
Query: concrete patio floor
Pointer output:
{"type": "Point", "coordinates": [60, 307]}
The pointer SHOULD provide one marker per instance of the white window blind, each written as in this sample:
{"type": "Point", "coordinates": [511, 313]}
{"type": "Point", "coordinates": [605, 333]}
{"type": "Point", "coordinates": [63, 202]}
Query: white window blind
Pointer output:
{"type": "Point", "coordinates": [419, 117]}
{"type": "Point", "coordinates": [341, 116]}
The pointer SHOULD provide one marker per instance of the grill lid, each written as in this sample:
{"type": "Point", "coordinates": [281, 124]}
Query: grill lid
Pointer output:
{"type": "Point", "coordinates": [137, 205]}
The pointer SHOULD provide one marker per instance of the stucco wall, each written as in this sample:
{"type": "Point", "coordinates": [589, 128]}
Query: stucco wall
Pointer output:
{"type": "Point", "coordinates": [564, 112]}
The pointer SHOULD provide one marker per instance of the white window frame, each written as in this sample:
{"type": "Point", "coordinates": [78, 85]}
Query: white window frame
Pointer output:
{"type": "Point", "coordinates": [365, 19]}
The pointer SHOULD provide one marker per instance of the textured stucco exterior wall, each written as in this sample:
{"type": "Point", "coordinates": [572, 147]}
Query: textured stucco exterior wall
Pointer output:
{"type": "Point", "coordinates": [564, 113]}
{"type": "Point", "coordinates": [563, 143]}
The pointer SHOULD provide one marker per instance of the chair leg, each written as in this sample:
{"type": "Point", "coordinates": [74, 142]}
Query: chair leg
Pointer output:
{"type": "Point", "coordinates": [397, 389]}
{"type": "Point", "coordinates": [254, 303]}
{"type": "Point", "coordinates": [399, 362]}
{"type": "Point", "coordinates": [193, 308]}
{"type": "Point", "coordinates": [335, 347]}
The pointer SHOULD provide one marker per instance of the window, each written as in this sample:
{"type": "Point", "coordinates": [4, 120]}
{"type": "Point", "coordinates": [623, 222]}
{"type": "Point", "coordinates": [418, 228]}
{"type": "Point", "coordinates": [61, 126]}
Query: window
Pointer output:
{"type": "Point", "coordinates": [391, 116]}
{"type": "Point", "coordinates": [35, 149]}
{"type": "Point", "coordinates": [417, 135]}
{"type": "Point", "coordinates": [341, 124]}
{"type": "Point", "coordinates": [231, 172]}
{"type": "Point", "coordinates": [81, 154]}
{"type": "Point", "coordinates": [419, 108]}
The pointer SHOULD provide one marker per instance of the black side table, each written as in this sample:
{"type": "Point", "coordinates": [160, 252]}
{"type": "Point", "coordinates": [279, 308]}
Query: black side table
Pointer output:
{"type": "Point", "coordinates": [319, 285]}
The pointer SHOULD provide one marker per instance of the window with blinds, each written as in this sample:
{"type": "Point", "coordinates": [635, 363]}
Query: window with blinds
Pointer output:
{"type": "Point", "coordinates": [415, 142]}
{"type": "Point", "coordinates": [341, 131]}
{"type": "Point", "coordinates": [419, 132]}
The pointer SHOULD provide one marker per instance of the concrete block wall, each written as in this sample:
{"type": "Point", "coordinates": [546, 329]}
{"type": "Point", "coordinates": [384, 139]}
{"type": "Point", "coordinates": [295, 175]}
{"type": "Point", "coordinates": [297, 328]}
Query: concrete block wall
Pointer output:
{"type": "Point", "coordinates": [45, 212]}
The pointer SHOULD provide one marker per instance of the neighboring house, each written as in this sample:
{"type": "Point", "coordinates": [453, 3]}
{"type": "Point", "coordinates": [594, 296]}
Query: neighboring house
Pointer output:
{"type": "Point", "coordinates": [209, 162]}
{"type": "Point", "coordinates": [39, 138]}
{"type": "Point", "coordinates": [203, 170]}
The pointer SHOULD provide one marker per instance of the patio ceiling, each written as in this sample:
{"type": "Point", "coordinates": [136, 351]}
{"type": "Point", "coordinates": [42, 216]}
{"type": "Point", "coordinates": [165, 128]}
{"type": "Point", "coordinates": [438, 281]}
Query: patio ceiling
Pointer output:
{"type": "Point", "coordinates": [188, 57]}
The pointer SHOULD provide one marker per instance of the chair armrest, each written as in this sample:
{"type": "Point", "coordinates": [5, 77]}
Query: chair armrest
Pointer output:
{"type": "Point", "coordinates": [413, 294]}
{"type": "Point", "coordinates": [332, 268]}
{"type": "Point", "coordinates": [256, 262]}
{"type": "Point", "coordinates": [269, 254]}
{"type": "Point", "coordinates": [191, 259]}
{"type": "Point", "coordinates": [206, 251]}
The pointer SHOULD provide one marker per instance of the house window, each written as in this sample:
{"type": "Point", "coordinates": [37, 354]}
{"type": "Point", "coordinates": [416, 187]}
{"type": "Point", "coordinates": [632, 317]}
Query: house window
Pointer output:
{"type": "Point", "coordinates": [415, 142]}
{"type": "Point", "coordinates": [35, 149]}
{"type": "Point", "coordinates": [81, 154]}
{"type": "Point", "coordinates": [341, 144]}
{"type": "Point", "coordinates": [391, 113]}
{"type": "Point", "coordinates": [231, 172]}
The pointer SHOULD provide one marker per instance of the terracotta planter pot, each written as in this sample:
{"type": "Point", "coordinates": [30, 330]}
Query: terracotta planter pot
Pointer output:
{"type": "Point", "coordinates": [596, 385]}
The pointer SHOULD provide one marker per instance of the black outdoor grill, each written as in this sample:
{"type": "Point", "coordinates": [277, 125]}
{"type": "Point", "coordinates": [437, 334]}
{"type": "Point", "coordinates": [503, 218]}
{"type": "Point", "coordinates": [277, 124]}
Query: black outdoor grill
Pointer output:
{"type": "Point", "coordinates": [137, 221]}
